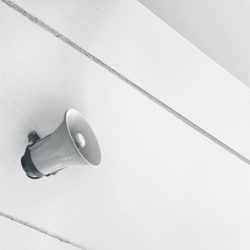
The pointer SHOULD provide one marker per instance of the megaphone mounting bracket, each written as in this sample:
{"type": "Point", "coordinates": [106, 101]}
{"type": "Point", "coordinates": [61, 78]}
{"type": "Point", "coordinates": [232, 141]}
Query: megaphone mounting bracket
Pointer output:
{"type": "Point", "coordinates": [33, 137]}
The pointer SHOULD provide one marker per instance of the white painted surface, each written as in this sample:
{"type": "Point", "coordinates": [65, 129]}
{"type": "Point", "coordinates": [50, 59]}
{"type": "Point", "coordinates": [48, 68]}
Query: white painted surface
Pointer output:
{"type": "Point", "coordinates": [219, 28]}
{"type": "Point", "coordinates": [128, 37]}
{"type": "Point", "coordinates": [162, 185]}
{"type": "Point", "coordinates": [15, 236]}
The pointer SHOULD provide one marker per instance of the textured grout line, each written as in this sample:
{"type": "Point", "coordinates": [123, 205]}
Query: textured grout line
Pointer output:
{"type": "Point", "coordinates": [41, 230]}
{"type": "Point", "coordinates": [124, 79]}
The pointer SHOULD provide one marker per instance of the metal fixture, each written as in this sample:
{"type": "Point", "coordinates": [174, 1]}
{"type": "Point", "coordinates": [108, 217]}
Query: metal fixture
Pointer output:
{"type": "Point", "coordinates": [72, 143]}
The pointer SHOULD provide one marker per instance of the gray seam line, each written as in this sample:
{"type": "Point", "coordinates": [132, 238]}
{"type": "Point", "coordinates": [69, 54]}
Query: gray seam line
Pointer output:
{"type": "Point", "coordinates": [41, 230]}
{"type": "Point", "coordinates": [124, 79]}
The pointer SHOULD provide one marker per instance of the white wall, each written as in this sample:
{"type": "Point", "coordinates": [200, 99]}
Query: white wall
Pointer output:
{"type": "Point", "coordinates": [131, 39]}
{"type": "Point", "coordinates": [162, 185]}
{"type": "Point", "coordinates": [15, 236]}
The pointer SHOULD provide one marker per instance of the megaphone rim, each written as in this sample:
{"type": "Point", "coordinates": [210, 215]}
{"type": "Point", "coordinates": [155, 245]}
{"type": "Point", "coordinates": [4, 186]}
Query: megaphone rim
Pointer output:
{"type": "Point", "coordinates": [72, 140]}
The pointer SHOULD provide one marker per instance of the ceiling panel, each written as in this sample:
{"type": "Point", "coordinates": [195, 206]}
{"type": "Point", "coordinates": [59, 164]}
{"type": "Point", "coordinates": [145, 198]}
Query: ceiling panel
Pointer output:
{"type": "Point", "coordinates": [218, 28]}
{"type": "Point", "coordinates": [162, 185]}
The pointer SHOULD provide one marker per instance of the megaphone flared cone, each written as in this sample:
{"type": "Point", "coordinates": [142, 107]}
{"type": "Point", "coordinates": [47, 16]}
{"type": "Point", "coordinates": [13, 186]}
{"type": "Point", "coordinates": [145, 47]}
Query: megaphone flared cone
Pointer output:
{"type": "Point", "coordinates": [76, 124]}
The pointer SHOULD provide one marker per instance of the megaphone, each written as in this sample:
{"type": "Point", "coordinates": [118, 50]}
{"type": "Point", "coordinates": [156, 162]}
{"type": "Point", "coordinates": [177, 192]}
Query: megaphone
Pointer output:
{"type": "Point", "coordinates": [72, 143]}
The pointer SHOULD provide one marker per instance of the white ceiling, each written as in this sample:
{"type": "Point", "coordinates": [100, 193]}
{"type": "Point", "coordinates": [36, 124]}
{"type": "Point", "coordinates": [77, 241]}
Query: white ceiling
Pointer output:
{"type": "Point", "coordinates": [162, 185]}
{"type": "Point", "coordinates": [221, 29]}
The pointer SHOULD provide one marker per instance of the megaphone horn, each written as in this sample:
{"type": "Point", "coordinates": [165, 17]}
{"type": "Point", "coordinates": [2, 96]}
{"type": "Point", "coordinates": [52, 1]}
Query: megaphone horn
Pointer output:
{"type": "Point", "coordinates": [72, 143]}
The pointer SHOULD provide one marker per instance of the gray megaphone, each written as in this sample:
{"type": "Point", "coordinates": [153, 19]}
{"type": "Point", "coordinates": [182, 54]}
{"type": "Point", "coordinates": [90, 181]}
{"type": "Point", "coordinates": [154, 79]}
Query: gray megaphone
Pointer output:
{"type": "Point", "coordinates": [72, 143]}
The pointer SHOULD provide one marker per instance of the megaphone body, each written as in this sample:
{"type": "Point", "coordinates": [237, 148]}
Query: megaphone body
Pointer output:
{"type": "Point", "coordinates": [72, 143]}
